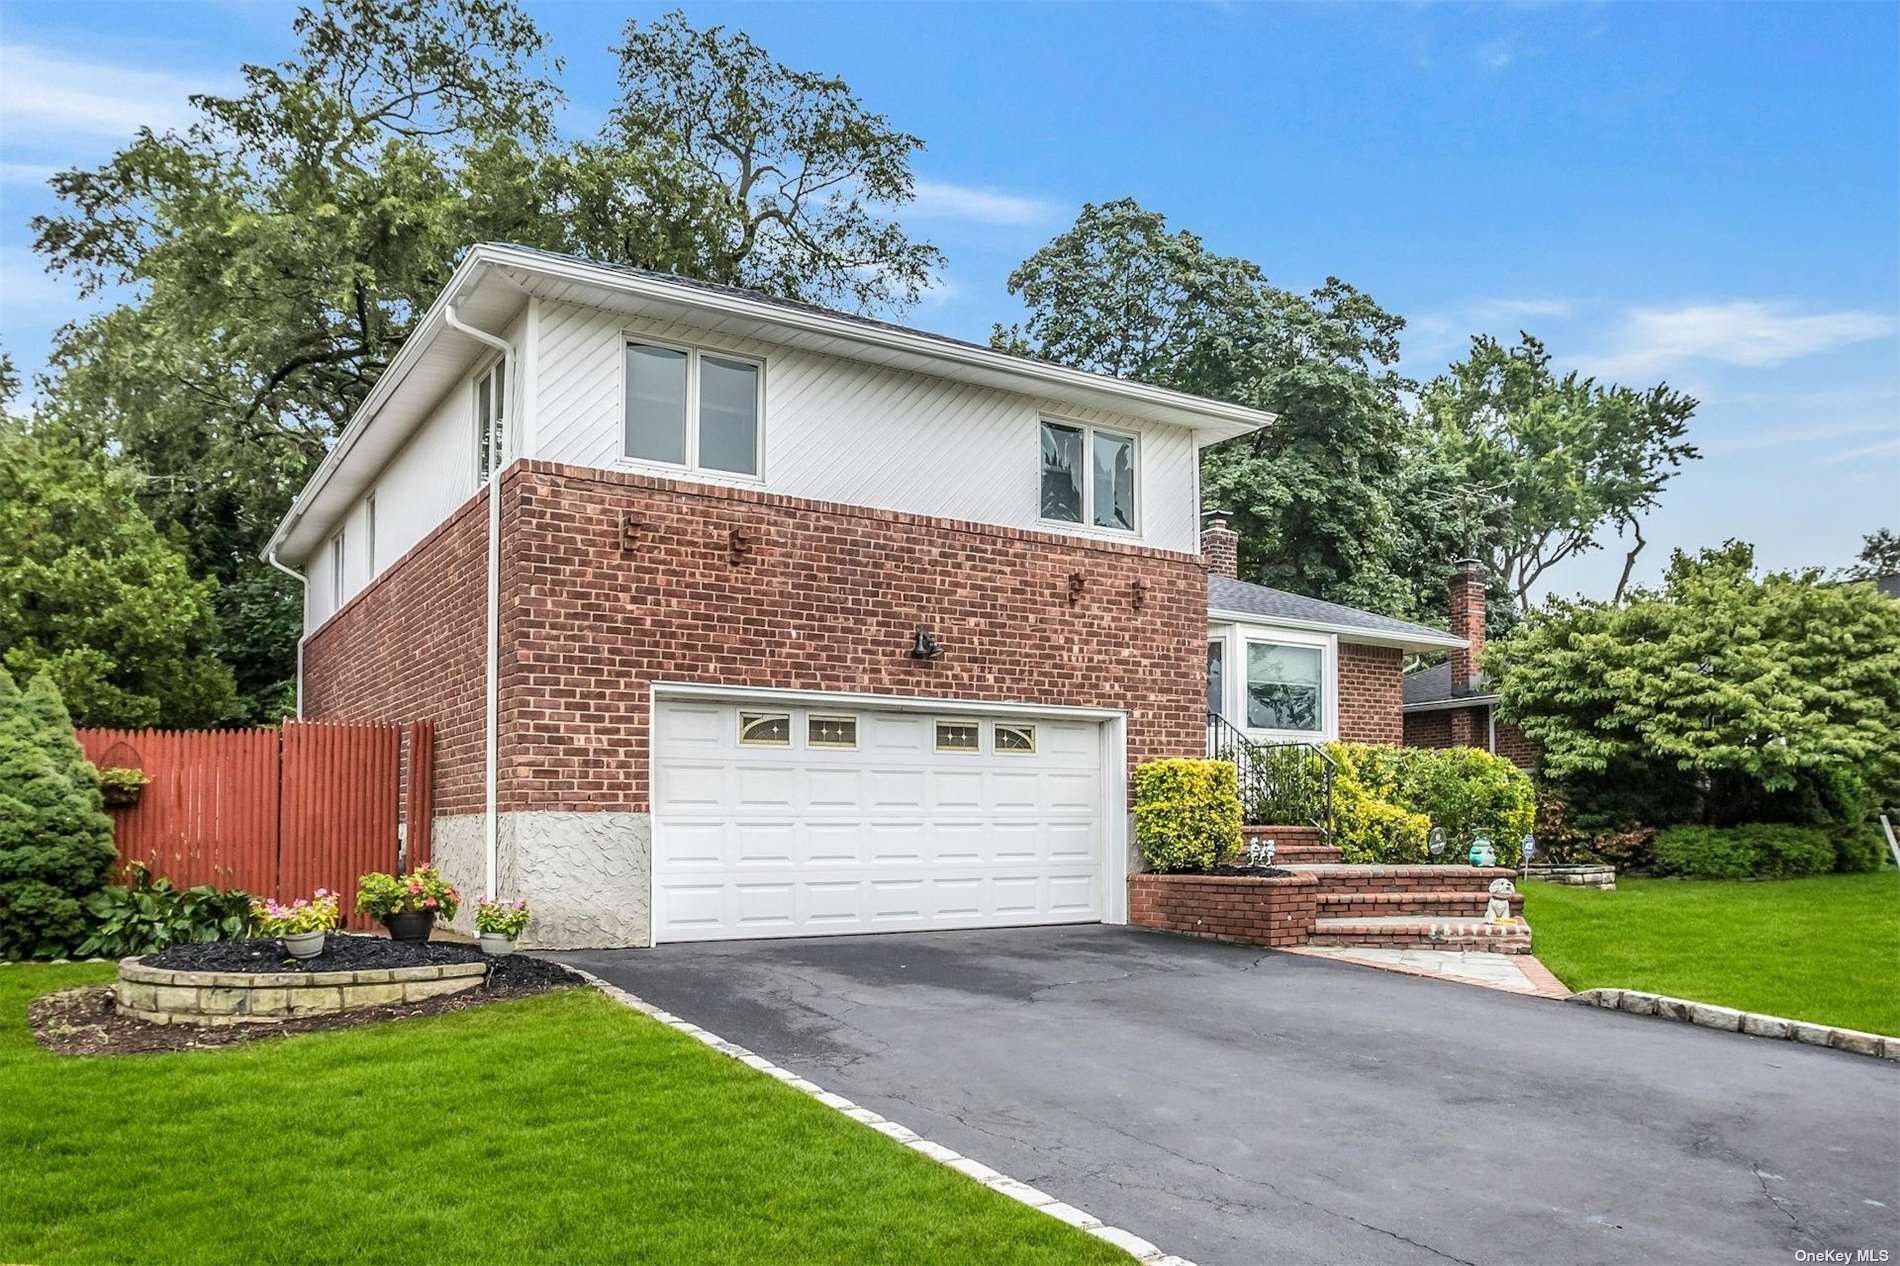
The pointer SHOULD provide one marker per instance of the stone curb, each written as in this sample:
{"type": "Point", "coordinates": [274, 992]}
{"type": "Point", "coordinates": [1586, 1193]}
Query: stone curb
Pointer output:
{"type": "Point", "coordinates": [1141, 1250]}
{"type": "Point", "coordinates": [1729, 1020]}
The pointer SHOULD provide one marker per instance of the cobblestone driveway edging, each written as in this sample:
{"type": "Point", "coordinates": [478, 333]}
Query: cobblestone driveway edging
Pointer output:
{"type": "Point", "coordinates": [1753, 1023]}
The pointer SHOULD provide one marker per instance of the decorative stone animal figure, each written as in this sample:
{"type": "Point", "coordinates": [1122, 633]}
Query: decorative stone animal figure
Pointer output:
{"type": "Point", "coordinates": [1498, 909]}
{"type": "Point", "coordinates": [1259, 854]}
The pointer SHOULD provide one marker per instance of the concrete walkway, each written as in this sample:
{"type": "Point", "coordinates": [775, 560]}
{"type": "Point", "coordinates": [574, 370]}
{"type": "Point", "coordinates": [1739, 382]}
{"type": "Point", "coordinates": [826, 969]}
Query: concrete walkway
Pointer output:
{"type": "Point", "coordinates": [1513, 973]}
{"type": "Point", "coordinates": [1239, 1106]}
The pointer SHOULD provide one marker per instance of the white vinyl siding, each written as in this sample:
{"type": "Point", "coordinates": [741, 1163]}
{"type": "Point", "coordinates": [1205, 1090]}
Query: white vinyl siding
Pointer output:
{"type": "Point", "coordinates": [854, 433]}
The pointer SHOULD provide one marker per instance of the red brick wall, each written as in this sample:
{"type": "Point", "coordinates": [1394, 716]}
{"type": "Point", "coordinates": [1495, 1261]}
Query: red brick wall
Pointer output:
{"type": "Point", "coordinates": [409, 648]}
{"type": "Point", "coordinates": [1370, 694]}
{"type": "Point", "coordinates": [1467, 621]}
{"type": "Point", "coordinates": [1515, 746]}
{"type": "Point", "coordinates": [824, 597]}
{"type": "Point", "coordinates": [1466, 727]}
{"type": "Point", "coordinates": [1226, 907]}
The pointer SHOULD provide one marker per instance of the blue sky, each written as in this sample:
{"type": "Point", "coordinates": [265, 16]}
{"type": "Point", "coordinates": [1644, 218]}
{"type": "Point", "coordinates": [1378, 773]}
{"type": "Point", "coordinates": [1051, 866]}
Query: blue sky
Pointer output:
{"type": "Point", "coordinates": [1705, 195]}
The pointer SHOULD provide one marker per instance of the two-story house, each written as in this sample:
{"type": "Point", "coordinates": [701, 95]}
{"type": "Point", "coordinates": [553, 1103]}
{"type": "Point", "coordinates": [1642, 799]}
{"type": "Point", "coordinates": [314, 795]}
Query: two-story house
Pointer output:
{"type": "Point", "coordinates": [738, 617]}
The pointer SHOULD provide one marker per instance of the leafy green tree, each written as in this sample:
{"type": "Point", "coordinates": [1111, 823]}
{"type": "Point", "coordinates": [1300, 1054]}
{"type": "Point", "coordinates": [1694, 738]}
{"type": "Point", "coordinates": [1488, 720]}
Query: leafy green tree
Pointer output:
{"type": "Point", "coordinates": [1879, 556]}
{"type": "Point", "coordinates": [92, 595]}
{"type": "Point", "coordinates": [1721, 697]}
{"type": "Point", "coordinates": [55, 838]}
{"type": "Point", "coordinates": [1538, 466]}
{"type": "Point", "coordinates": [1311, 496]}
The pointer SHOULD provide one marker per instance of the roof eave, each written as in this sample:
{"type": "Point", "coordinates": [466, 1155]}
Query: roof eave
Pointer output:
{"type": "Point", "coordinates": [1445, 705]}
{"type": "Point", "coordinates": [1423, 640]}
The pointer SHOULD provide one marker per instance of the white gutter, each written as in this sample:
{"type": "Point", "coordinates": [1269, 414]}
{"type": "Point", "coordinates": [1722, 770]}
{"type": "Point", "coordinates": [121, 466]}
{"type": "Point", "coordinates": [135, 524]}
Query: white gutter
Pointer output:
{"type": "Point", "coordinates": [303, 615]}
{"type": "Point", "coordinates": [492, 479]}
{"type": "Point", "coordinates": [1444, 705]}
{"type": "Point", "coordinates": [1356, 634]}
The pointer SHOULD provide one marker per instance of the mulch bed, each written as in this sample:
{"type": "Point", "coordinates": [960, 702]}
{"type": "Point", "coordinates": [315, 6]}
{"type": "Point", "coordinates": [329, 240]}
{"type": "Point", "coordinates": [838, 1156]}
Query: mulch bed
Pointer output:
{"type": "Point", "coordinates": [340, 953]}
{"type": "Point", "coordinates": [1252, 872]}
{"type": "Point", "coordinates": [85, 1022]}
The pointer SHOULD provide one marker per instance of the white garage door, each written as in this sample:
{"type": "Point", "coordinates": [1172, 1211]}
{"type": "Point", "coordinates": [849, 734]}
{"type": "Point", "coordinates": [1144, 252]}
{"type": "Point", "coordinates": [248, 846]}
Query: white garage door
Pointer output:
{"type": "Point", "coordinates": [793, 821]}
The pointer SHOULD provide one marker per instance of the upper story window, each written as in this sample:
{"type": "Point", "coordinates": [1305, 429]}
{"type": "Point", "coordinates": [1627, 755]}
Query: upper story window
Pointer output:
{"type": "Point", "coordinates": [369, 533]}
{"type": "Point", "coordinates": [693, 409]}
{"type": "Point", "coordinates": [336, 573]}
{"type": "Point", "coordinates": [491, 395]}
{"type": "Point", "coordinates": [1088, 476]}
{"type": "Point", "coordinates": [1285, 687]}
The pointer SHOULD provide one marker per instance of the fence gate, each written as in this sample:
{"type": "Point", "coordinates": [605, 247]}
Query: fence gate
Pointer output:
{"type": "Point", "coordinates": [279, 812]}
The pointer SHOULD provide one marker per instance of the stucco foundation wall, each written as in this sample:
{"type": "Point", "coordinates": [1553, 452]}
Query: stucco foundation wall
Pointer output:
{"type": "Point", "coordinates": [586, 877]}
{"type": "Point", "coordinates": [459, 851]}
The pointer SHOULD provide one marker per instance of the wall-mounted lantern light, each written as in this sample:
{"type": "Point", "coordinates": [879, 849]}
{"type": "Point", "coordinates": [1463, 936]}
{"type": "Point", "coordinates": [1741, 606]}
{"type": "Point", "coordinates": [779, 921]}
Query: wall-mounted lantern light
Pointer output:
{"type": "Point", "coordinates": [926, 646]}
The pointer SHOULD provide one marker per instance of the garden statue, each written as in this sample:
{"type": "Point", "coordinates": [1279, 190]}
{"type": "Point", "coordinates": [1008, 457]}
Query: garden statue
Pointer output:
{"type": "Point", "coordinates": [1259, 854]}
{"type": "Point", "coordinates": [1482, 854]}
{"type": "Point", "coordinates": [1435, 842]}
{"type": "Point", "coordinates": [1498, 909]}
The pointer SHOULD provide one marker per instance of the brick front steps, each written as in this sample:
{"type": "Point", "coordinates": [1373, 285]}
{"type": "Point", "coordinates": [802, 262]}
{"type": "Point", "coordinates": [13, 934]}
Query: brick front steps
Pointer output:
{"type": "Point", "coordinates": [1425, 932]}
{"type": "Point", "coordinates": [1333, 903]}
{"type": "Point", "coordinates": [1293, 844]}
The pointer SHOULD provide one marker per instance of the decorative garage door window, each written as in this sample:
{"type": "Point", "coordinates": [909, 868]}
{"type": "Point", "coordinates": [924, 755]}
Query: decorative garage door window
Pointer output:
{"type": "Point", "coordinates": [958, 736]}
{"type": "Point", "coordinates": [765, 729]}
{"type": "Point", "coordinates": [1011, 737]}
{"type": "Point", "coordinates": [831, 731]}
{"type": "Point", "coordinates": [1283, 687]}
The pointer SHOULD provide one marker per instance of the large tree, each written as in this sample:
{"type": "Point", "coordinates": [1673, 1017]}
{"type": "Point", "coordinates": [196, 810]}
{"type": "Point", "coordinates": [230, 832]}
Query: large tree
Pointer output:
{"type": "Point", "coordinates": [278, 250]}
{"type": "Point", "coordinates": [1537, 467]}
{"type": "Point", "coordinates": [1723, 696]}
{"type": "Point", "coordinates": [93, 596]}
{"type": "Point", "coordinates": [1311, 495]}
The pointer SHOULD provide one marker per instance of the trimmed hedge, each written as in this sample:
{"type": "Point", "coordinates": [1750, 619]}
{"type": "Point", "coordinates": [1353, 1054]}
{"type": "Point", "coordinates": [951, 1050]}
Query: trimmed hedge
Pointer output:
{"type": "Point", "coordinates": [1187, 813]}
{"type": "Point", "coordinates": [1764, 850]}
{"type": "Point", "coordinates": [1387, 799]}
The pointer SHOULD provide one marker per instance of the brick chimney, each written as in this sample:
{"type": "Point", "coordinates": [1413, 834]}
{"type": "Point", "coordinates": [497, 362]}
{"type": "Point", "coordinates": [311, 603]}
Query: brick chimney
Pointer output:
{"type": "Point", "coordinates": [1220, 549]}
{"type": "Point", "coordinates": [1467, 621]}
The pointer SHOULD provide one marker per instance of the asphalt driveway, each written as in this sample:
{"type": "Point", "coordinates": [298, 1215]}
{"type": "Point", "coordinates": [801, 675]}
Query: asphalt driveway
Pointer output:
{"type": "Point", "coordinates": [1239, 1106]}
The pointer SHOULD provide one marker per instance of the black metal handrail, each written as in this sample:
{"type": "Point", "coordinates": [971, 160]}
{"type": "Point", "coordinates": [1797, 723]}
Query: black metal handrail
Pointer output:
{"type": "Point", "coordinates": [1282, 783]}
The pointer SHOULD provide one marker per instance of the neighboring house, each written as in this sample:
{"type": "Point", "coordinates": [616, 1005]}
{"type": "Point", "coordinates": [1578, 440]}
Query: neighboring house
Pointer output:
{"type": "Point", "coordinates": [784, 622]}
{"type": "Point", "coordinates": [1285, 668]}
{"type": "Point", "coordinates": [1452, 704]}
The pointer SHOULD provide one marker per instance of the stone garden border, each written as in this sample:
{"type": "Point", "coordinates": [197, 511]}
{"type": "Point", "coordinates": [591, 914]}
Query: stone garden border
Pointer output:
{"type": "Point", "coordinates": [1141, 1250]}
{"type": "Point", "coordinates": [1753, 1023]}
{"type": "Point", "coordinates": [217, 997]}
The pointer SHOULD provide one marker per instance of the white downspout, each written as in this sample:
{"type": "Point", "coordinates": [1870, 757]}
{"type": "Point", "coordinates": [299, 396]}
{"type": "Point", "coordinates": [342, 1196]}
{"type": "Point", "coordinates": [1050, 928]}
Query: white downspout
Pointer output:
{"type": "Point", "coordinates": [270, 556]}
{"type": "Point", "coordinates": [492, 710]}
{"type": "Point", "coordinates": [1491, 728]}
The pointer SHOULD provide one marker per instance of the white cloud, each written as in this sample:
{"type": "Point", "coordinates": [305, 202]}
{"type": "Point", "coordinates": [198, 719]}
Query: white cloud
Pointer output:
{"type": "Point", "coordinates": [1891, 445]}
{"type": "Point", "coordinates": [26, 173]}
{"type": "Point", "coordinates": [940, 200]}
{"type": "Point", "coordinates": [49, 94]}
{"type": "Point", "coordinates": [1745, 332]}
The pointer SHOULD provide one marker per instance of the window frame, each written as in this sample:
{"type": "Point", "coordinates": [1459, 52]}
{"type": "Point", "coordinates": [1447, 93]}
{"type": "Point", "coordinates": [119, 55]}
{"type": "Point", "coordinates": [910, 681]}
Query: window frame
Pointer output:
{"type": "Point", "coordinates": [973, 724]}
{"type": "Point", "coordinates": [496, 460]}
{"type": "Point", "coordinates": [1217, 698]}
{"type": "Point", "coordinates": [824, 746]}
{"type": "Point", "coordinates": [693, 466]}
{"type": "Point", "coordinates": [1023, 727]}
{"type": "Point", "coordinates": [339, 560]}
{"type": "Point", "coordinates": [1087, 524]}
{"type": "Point", "coordinates": [764, 714]}
{"type": "Point", "coordinates": [369, 532]}
{"type": "Point", "coordinates": [1327, 685]}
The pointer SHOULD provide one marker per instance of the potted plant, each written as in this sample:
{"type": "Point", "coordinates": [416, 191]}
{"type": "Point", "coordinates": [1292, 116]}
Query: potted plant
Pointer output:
{"type": "Point", "coordinates": [121, 786]}
{"type": "Point", "coordinates": [408, 906]}
{"type": "Point", "coordinates": [499, 924]}
{"type": "Point", "coordinates": [302, 925]}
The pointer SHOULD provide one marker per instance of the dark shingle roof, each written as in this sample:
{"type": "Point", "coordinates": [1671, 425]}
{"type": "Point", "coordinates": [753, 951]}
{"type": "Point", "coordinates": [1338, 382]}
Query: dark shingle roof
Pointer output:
{"type": "Point", "coordinates": [1224, 593]}
{"type": "Point", "coordinates": [1889, 586]}
{"type": "Point", "coordinates": [1433, 685]}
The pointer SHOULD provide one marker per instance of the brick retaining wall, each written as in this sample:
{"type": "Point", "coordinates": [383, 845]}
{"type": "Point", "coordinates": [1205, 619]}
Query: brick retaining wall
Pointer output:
{"type": "Point", "coordinates": [1252, 911]}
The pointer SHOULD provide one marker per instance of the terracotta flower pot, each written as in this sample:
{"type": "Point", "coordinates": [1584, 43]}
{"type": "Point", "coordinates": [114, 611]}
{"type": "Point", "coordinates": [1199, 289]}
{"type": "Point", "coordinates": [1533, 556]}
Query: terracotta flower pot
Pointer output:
{"type": "Point", "coordinates": [413, 926]}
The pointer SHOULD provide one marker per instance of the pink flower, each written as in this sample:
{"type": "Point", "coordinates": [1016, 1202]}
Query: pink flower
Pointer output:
{"type": "Point", "coordinates": [430, 903]}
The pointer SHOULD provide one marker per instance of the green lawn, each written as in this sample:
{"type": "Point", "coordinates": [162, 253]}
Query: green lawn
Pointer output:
{"type": "Point", "coordinates": [1825, 949]}
{"type": "Point", "coordinates": [561, 1129]}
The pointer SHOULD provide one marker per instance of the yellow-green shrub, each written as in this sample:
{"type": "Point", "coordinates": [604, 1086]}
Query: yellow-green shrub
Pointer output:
{"type": "Point", "coordinates": [1467, 791]}
{"type": "Point", "coordinates": [1187, 813]}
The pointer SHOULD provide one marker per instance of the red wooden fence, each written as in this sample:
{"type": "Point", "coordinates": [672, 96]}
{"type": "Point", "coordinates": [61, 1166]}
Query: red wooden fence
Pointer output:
{"type": "Point", "coordinates": [279, 813]}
